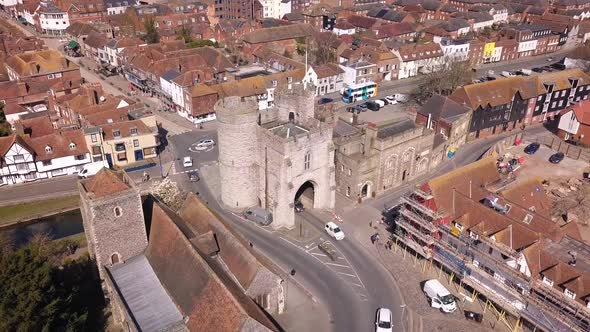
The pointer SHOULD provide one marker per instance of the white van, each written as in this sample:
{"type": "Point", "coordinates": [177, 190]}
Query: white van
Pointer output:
{"type": "Point", "coordinates": [91, 169]}
{"type": "Point", "coordinates": [439, 296]}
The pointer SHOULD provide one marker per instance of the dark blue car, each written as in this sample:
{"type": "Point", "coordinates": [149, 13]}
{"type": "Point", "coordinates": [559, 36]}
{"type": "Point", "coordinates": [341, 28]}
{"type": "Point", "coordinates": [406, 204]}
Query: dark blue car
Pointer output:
{"type": "Point", "coordinates": [325, 101]}
{"type": "Point", "coordinates": [557, 158]}
{"type": "Point", "coordinates": [532, 148]}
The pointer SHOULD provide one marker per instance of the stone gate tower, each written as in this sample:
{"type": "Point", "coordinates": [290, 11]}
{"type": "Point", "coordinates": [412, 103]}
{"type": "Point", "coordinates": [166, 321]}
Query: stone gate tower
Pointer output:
{"type": "Point", "coordinates": [238, 168]}
{"type": "Point", "coordinates": [113, 218]}
{"type": "Point", "coordinates": [266, 156]}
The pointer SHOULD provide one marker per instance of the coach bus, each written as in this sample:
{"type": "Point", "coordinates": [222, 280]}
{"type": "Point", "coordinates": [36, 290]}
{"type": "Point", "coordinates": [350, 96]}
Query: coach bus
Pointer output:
{"type": "Point", "coordinates": [361, 91]}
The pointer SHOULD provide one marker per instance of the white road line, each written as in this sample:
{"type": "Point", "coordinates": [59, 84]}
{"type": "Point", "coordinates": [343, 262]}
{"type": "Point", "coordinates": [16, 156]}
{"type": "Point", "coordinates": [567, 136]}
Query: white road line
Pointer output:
{"type": "Point", "coordinates": [310, 245]}
{"type": "Point", "coordinates": [316, 254]}
{"type": "Point", "coordinates": [357, 285]}
{"type": "Point", "coordinates": [352, 268]}
{"type": "Point", "coordinates": [340, 265]}
{"type": "Point", "coordinates": [347, 274]}
{"type": "Point", "coordinates": [291, 243]}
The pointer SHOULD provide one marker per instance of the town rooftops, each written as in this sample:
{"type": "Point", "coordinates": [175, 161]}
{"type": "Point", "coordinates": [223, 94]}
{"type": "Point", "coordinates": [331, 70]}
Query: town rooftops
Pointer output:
{"type": "Point", "coordinates": [420, 51]}
{"type": "Point", "coordinates": [390, 130]}
{"type": "Point", "coordinates": [278, 33]}
{"type": "Point", "coordinates": [40, 63]}
{"type": "Point", "coordinates": [363, 22]}
{"type": "Point", "coordinates": [105, 183]}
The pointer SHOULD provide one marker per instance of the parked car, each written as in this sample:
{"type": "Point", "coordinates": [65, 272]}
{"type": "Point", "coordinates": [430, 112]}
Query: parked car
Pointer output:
{"type": "Point", "coordinates": [187, 162]}
{"type": "Point", "coordinates": [532, 148]}
{"type": "Point", "coordinates": [439, 296]}
{"type": "Point", "coordinates": [206, 143]}
{"type": "Point", "coordinates": [548, 68]}
{"type": "Point", "coordinates": [193, 176]}
{"type": "Point", "coordinates": [526, 72]}
{"type": "Point", "coordinates": [373, 106]}
{"type": "Point", "coordinates": [384, 320]}
{"type": "Point", "coordinates": [258, 215]}
{"type": "Point", "coordinates": [507, 74]}
{"type": "Point", "coordinates": [537, 70]}
{"type": "Point", "coordinates": [490, 78]}
{"type": "Point", "coordinates": [334, 231]}
{"type": "Point", "coordinates": [556, 158]}
{"type": "Point", "coordinates": [549, 59]}
{"type": "Point", "coordinates": [380, 102]}
{"type": "Point", "coordinates": [401, 98]}
{"type": "Point", "coordinates": [558, 66]}
{"type": "Point", "coordinates": [299, 206]}
{"type": "Point", "coordinates": [325, 101]}
{"type": "Point", "coordinates": [364, 105]}
{"type": "Point", "coordinates": [391, 99]}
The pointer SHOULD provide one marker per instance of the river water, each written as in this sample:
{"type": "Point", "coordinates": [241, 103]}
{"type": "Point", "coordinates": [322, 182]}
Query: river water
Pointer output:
{"type": "Point", "coordinates": [56, 227]}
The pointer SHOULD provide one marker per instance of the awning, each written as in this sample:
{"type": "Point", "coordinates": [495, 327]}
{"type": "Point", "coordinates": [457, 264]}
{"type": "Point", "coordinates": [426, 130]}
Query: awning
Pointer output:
{"type": "Point", "coordinates": [73, 44]}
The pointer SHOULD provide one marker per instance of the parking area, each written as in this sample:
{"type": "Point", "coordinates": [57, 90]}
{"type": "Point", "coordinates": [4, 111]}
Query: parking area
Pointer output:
{"type": "Point", "coordinates": [538, 165]}
{"type": "Point", "coordinates": [388, 113]}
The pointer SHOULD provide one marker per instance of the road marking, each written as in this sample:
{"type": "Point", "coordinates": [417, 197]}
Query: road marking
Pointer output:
{"type": "Point", "coordinates": [316, 254]}
{"type": "Point", "coordinates": [347, 274]}
{"type": "Point", "coordinates": [310, 245]}
{"type": "Point", "coordinates": [291, 243]}
{"type": "Point", "coordinates": [340, 265]}
{"type": "Point", "coordinates": [357, 285]}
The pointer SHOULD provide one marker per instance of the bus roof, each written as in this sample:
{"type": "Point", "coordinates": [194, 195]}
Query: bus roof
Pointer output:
{"type": "Point", "coordinates": [358, 85]}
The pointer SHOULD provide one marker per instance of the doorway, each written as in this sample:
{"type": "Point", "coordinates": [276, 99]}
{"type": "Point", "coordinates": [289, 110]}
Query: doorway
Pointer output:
{"type": "Point", "coordinates": [365, 190]}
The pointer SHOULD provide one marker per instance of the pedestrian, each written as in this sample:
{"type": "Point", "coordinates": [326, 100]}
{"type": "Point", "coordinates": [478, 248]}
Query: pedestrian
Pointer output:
{"type": "Point", "coordinates": [376, 237]}
{"type": "Point", "coordinates": [251, 245]}
{"type": "Point", "coordinates": [373, 238]}
{"type": "Point", "coordinates": [388, 244]}
{"type": "Point", "coordinates": [292, 272]}
{"type": "Point", "coordinates": [371, 223]}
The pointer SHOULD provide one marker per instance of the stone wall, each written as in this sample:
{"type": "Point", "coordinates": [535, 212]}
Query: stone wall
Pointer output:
{"type": "Point", "coordinates": [126, 235]}
{"type": "Point", "coordinates": [238, 162]}
{"type": "Point", "coordinates": [295, 99]}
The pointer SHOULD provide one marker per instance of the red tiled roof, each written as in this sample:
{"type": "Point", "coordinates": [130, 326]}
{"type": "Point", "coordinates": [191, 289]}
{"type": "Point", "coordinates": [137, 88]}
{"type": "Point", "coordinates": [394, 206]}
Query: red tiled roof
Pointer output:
{"type": "Point", "coordinates": [582, 111]}
{"type": "Point", "coordinates": [106, 182]}
{"type": "Point", "coordinates": [63, 144]}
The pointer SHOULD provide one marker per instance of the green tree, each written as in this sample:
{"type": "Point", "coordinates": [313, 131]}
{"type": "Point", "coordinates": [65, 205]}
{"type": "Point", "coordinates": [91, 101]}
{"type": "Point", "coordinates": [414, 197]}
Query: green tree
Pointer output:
{"type": "Point", "coordinates": [4, 125]}
{"type": "Point", "coordinates": [201, 43]}
{"type": "Point", "coordinates": [185, 34]}
{"type": "Point", "coordinates": [36, 295]}
{"type": "Point", "coordinates": [151, 36]}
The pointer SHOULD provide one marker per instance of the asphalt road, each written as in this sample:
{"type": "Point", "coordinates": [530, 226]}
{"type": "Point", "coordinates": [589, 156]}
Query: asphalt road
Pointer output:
{"type": "Point", "coordinates": [352, 304]}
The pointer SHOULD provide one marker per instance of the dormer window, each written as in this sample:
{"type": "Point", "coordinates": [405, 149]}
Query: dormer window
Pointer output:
{"type": "Point", "coordinates": [72, 145]}
{"type": "Point", "coordinates": [569, 294]}
{"type": "Point", "coordinates": [48, 149]}
{"type": "Point", "coordinates": [133, 131]}
{"type": "Point", "coordinates": [547, 281]}
{"type": "Point", "coordinates": [274, 83]}
{"type": "Point", "coordinates": [116, 133]}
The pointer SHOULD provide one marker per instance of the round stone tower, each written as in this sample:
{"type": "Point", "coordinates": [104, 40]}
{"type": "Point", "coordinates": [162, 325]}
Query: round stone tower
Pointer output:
{"type": "Point", "coordinates": [295, 102]}
{"type": "Point", "coordinates": [238, 150]}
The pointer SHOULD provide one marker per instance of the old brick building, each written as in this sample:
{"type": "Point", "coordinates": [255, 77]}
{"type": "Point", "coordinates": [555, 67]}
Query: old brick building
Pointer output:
{"type": "Point", "coordinates": [270, 158]}
{"type": "Point", "coordinates": [193, 274]}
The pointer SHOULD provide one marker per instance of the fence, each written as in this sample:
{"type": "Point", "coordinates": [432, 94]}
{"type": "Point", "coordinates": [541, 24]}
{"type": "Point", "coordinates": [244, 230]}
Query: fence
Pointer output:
{"type": "Point", "coordinates": [557, 144]}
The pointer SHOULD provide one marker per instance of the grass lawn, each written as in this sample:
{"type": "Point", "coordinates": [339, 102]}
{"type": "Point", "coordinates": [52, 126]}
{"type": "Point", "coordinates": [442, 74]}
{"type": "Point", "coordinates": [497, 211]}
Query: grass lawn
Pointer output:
{"type": "Point", "coordinates": [18, 212]}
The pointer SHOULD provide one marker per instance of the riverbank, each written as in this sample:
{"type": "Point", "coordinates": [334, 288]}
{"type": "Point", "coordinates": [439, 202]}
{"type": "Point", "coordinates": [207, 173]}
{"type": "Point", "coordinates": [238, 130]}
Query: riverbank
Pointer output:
{"type": "Point", "coordinates": [20, 213]}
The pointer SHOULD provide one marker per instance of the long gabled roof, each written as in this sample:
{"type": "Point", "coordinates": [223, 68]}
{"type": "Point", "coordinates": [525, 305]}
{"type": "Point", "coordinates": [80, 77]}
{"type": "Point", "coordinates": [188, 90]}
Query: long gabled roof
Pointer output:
{"type": "Point", "coordinates": [278, 33]}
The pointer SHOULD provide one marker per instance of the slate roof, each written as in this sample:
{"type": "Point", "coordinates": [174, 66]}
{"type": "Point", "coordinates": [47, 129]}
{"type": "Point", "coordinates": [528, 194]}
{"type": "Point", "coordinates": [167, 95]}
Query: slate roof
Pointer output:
{"type": "Point", "coordinates": [171, 75]}
{"type": "Point", "coordinates": [147, 300]}
{"type": "Point", "coordinates": [395, 129]}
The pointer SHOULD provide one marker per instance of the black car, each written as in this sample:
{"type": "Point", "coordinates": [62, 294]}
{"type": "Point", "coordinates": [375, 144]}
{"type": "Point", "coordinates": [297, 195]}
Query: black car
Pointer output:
{"type": "Point", "coordinates": [558, 66]}
{"type": "Point", "coordinates": [299, 206]}
{"type": "Point", "coordinates": [325, 101]}
{"type": "Point", "coordinates": [490, 78]}
{"type": "Point", "coordinates": [532, 148]}
{"type": "Point", "coordinates": [363, 105]}
{"type": "Point", "coordinates": [537, 70]}
{"type": "Point", "coordinates": [557, 158]}
{"type": "Point", "coordinates": [373, 106]}
{"type": "Point", "coordinates": [193, 176]}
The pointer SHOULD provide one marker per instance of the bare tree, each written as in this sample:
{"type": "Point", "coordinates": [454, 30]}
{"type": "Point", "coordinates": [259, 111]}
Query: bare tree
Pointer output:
{"type": "Point", "coordinates": [443, 79]}
{"type": "Point", "coordinates": [169, 193]}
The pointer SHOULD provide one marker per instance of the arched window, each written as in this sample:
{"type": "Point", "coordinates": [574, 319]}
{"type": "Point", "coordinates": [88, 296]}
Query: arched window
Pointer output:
{"type": "Point", "coordinates": [72, 145]}
{"type": "Point", "coordinates": [422, 165]}
{"type": "Point", "coordinates": [118, 212]}
{"type": "Point", "coordinates": [48, 148]}
{"type": "Point", "coordinates": [407, 155]}
{"type": "Point", "coordinates": [115, 258]}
